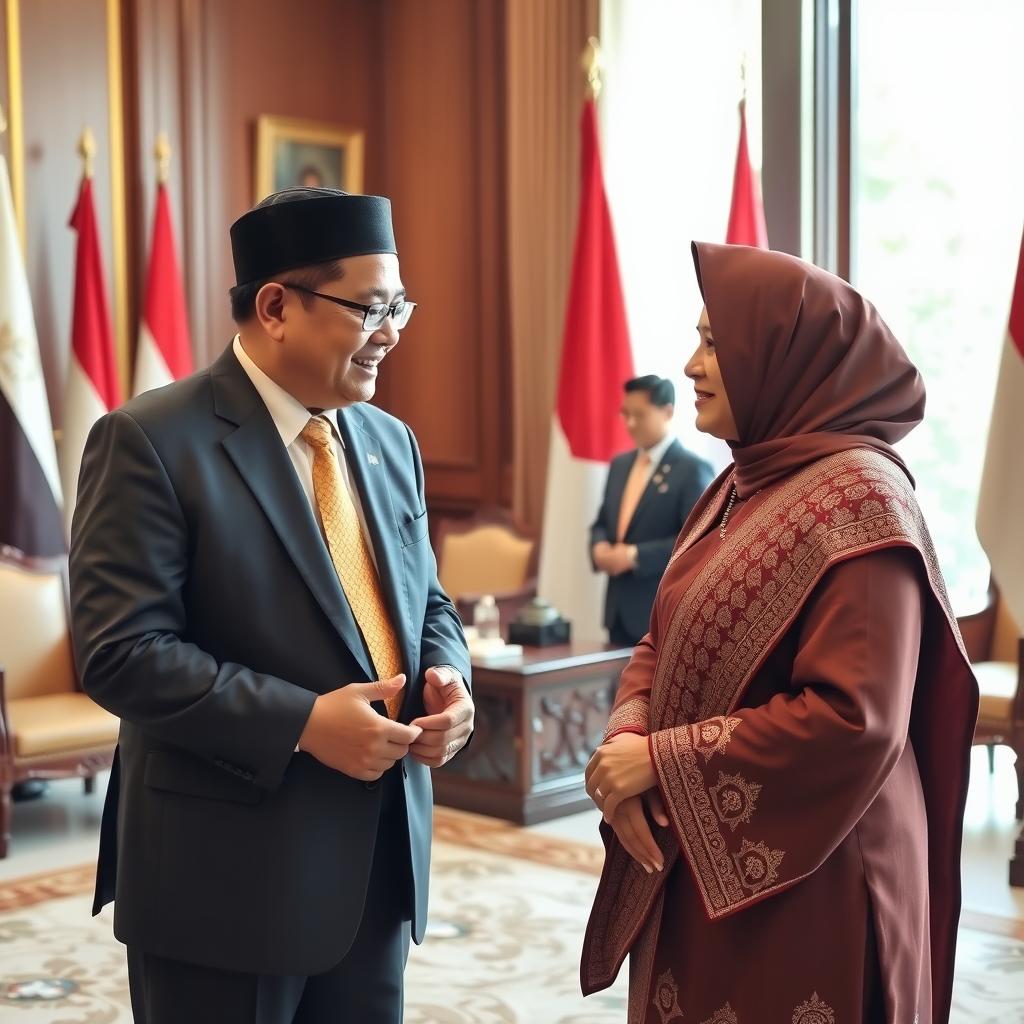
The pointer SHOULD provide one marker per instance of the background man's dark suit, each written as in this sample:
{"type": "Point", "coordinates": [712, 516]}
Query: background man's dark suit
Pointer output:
{"type": "Point", "coordinates": [679, 479]}
{"type": "Point", "coordinates": [208, 615]}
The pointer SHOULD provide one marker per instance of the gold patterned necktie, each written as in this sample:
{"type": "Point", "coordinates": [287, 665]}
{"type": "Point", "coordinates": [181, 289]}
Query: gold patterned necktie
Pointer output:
{"type": "Point", "coordinates": [351, 556]}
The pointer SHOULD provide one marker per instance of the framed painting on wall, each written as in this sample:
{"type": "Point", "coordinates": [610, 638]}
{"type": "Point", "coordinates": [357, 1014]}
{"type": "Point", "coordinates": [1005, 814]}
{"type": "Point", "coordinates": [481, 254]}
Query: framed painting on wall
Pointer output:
{"type": "Point", "coordinates": [291, 152]}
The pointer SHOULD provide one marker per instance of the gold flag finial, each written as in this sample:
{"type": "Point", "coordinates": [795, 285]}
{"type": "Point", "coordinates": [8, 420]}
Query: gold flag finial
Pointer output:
{"type": "Point", "coordinates": [592, 66]}
{"type": "Point", "coordinates": [162, 152]}
{"type": "Point", "coordinates": [87, 151]}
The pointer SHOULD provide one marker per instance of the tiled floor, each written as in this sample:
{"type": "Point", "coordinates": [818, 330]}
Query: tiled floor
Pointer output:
{"type": "Point", "coordinates": [61, 829]}
{"type": "Point", "coordinates": [56, 831]}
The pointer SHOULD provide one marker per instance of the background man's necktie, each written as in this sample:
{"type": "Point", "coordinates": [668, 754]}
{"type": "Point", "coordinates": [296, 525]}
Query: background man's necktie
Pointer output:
{"type": "Point", "coordinates": [636, 484]}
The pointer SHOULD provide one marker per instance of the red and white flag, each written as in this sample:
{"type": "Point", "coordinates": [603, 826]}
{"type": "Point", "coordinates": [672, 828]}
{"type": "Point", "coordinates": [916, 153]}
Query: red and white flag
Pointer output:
{"type": "Point", "coordinates": [30, 491]}
{"type": "Point", "coordinates": [1001, 499]}
{"type": "Point", "coordinates": [92, 386]}
{"type": "Point", "coordinates": [587, 430]}
{"type": "Point", "coordinates": [163, 353]}
{"type": "Point", "coordinates": [746, 214]}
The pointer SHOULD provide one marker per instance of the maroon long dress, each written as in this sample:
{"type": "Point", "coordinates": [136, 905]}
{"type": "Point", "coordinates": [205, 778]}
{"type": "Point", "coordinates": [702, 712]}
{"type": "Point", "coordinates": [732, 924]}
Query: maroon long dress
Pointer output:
{"type": "Point", "coordinates": [809, 710]}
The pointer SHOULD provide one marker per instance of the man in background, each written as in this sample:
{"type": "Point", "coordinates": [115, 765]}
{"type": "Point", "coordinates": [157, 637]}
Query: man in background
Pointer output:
{"type": "Point", "coordinates": [648, 496]}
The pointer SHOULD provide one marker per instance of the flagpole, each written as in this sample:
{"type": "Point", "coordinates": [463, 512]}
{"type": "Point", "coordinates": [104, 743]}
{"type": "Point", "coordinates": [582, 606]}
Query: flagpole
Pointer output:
{"type": "Point", "coordinates": [162, 154]}
{"type": "Point", "coordinates": [596, 358]}
{"type": "Point", "coordinates": [592, 65]}
{"type": "Point", "coordinates": [87, 152]}
{"type": "Point", "coordinates": [163, 352]}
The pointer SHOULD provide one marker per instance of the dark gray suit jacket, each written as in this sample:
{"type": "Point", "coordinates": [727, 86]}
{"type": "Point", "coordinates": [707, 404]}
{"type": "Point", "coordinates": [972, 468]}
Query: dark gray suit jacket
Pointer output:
{"type": "Point", "coordinates": [208, 616]}
{"type": "Point", "coordinates": [682, 478]}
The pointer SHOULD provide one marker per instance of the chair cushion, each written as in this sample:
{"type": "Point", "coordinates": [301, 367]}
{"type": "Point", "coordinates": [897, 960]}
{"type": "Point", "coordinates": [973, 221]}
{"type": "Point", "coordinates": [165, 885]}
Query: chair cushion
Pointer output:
{"type": "Point", "coordinates": [485, 560]}
{"type": "Point", "coordinates": [997, 681]}
{"type": "Point", "coordinates": [59, 722]}
{"type": "Point", "coordinates": [35, 648]}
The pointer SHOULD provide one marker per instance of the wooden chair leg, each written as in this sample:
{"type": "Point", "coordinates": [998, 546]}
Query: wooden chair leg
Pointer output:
{"type": "Point", "coordinates": [89, 784]}
{"type": "Point", "coordinates": [5, 817]}
{"type": "Point", "coordinates": [1017, 862]}
{"type": "Point", "coordinates": [1019, 766]}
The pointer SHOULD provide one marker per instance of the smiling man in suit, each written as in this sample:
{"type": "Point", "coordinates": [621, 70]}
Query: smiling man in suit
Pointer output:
{"type": "Point", "coordinates": [648, 495]}
{"type": "Point", "coordinates": [255, 595]}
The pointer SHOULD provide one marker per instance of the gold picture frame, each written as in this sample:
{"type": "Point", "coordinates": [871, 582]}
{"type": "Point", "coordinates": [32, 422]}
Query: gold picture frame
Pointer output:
{"type": "Point", "coordinates": [291, 151]}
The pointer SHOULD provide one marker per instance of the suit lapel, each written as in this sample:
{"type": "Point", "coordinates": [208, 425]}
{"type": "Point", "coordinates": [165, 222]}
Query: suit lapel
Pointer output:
{"type": "Point", "coordinates": [651, 492]}
{"type": "Point", "coordinates": [256, 450]}
{"type": "Point", "coordinates": [369, 470]}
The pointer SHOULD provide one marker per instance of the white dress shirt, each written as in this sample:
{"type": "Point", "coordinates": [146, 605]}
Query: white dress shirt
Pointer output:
{"type": "Point", "coordinates": [290, 417]}
{"type": "Point", "coordinates": [656, 454]}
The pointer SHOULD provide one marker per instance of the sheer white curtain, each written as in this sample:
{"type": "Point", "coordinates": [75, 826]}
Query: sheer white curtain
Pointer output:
{"type": "Point", "coordinates": [938, 206]}
{"type": "Point", "coordinates": [669, 131]}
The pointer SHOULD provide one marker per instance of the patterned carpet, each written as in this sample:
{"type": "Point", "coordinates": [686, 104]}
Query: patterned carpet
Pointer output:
{"type": "Point", "coordinates": [508, 910]}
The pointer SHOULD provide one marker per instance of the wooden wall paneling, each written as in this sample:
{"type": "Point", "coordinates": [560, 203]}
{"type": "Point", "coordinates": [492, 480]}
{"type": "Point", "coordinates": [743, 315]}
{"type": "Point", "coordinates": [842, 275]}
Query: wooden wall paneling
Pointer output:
{"type": "Point", "coordinates": [241, 59]}
{"type": "Point", "coordinates": [64, 88]}
{"type": "Point", "coordinates": [425, 82]}
{"type": "Point", "coordinates": [443, 100]}
{"type": "Point", "coordinates": [196, 161]}
{"type": "Point", "coordinates": [125, 329]}
{"type": "Point", "coordinates": [153, 104]}
{"type": "Point", "coordinates": [431, 179]}
{"type": "Point", "coordinates": [5, 71]}
{"type": "Point", "coordinates": [10, 103]}
{"type": "Point", "coordinates": [494, 452]}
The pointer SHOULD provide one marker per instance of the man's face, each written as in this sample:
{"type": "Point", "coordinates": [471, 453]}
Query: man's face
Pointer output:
{"type": "Point", "coordinates": [325, 357]}
{"type": "Point", "coordinates": [647, 424]}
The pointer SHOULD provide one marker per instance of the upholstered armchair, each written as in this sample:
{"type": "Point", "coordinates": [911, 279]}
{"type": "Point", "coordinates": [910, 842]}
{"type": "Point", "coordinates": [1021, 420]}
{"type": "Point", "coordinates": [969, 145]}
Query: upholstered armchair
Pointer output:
{"type": "Point", "coordinates": [996, 649]}
{"type": "Point", "coordinates": [49, 728]}
{"type": "Point", "coordinates": [487, 554]}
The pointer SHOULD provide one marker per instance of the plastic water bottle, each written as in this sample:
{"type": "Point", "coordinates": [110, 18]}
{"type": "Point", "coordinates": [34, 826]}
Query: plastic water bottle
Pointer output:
{"type": "Point", "coordinates": [486, 618]}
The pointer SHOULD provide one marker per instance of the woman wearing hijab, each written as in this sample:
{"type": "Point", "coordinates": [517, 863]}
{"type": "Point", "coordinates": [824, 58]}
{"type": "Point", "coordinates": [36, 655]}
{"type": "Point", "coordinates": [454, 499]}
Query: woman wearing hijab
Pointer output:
{"type": "Point", "coordinates": [785, 769]}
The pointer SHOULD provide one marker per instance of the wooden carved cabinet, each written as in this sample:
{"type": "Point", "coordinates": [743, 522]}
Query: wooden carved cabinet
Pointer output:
{"type": "Point", "coordinates": [537, 724]}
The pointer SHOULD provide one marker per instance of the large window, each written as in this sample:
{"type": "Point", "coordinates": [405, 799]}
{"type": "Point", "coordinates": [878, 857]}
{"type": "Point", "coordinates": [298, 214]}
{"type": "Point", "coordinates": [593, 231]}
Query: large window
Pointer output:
{"type": "Point", "coordinates": [894, 154]}
{"type": "Point", "coordinates": [670, 124]}
{"type": "Point", "coordinates": [937, 208]}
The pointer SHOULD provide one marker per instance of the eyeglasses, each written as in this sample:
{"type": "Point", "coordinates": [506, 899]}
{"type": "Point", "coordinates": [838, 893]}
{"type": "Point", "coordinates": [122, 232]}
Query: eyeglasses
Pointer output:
{"type": "Point", "coordinates": [373, 315]}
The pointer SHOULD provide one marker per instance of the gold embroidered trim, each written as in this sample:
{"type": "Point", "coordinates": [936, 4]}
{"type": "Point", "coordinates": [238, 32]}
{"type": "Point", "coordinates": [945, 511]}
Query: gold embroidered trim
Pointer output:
{"type": "Point", "coordinates": [726, 880]}
{"type": "Point", "coordinates": [757, 865]}
{"type": "Point", "coordinates": [712, 737]}
{"type": "Point", "coordinates": [740, 603]}
{"type": "Point", "coordinates": [735, 799]}
{"type": "Point", "coordinates": [747, 594]}
{"type": "Point", "coordinates": [814, 1011]}
{"type": "Point", "coordinates": [634, 714]}
{"type": "Point", "coordinates": [726, 1015]}
{"type": "Point", "coordinates": [666, 998]}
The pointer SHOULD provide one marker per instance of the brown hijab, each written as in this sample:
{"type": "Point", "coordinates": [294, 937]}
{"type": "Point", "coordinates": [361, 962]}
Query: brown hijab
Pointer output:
{"type": "Point", "coordinates": [809, 366]}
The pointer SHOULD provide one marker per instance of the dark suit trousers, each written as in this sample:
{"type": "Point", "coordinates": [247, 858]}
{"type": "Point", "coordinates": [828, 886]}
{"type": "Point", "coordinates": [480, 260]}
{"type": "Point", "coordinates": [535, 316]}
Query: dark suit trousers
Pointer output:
{"type": "Point", "coordinates": [365, 988]}
{"type": "Point", "coordinates": [622, 637]}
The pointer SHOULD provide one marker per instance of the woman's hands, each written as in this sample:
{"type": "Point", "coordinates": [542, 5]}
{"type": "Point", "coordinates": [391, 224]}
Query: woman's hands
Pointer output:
{"type": "Point", "coordinates": [619, 769]}
{"type": "Point", "coordinates": [633, 828]}
{"type": "Point", "coordinates": [621, 781]}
